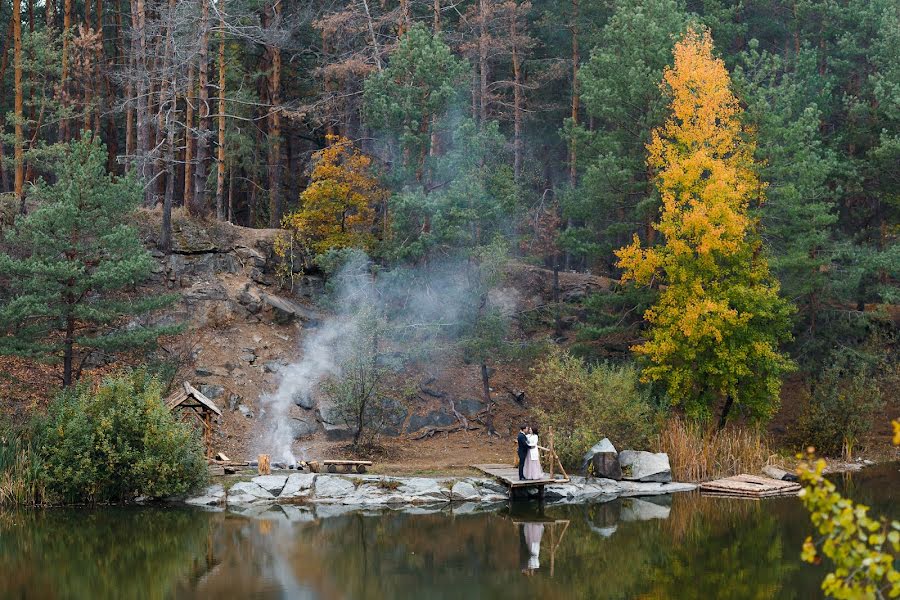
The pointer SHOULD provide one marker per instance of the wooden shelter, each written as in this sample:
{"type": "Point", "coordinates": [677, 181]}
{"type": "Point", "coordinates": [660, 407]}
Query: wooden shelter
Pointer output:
{"type": "Point", "coordinates": [190, 401]}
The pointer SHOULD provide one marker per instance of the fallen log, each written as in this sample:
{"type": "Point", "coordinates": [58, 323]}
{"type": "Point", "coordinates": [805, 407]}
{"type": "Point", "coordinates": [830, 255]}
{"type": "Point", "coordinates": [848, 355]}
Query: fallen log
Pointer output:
{"type": "Point", "coordinates": [432, 431]}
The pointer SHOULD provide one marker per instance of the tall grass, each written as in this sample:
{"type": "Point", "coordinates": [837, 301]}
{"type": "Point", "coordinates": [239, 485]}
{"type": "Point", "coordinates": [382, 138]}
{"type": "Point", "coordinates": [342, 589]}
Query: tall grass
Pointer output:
{"type": "Point", "coordinates": [21, 481]}
{"type": "Point", "coordinates": [698, 453]}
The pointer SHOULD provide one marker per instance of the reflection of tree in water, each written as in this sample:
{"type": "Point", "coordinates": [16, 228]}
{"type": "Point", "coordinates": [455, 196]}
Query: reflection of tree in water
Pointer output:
{"type": "Point", "coordinates": [723, 548]}
{"type": "Point", "coordinates": [101, 553]}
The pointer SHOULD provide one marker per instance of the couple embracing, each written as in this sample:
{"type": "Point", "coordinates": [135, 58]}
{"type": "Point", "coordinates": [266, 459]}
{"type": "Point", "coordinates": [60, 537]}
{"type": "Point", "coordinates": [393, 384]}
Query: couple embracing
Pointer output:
{"type": "Point", "coordinates": [529, 454]}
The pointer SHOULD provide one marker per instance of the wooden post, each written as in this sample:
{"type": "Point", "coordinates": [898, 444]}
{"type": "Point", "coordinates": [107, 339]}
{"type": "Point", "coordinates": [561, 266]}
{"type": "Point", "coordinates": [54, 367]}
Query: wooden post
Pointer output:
{"type": "Point", "coordinates": [207, 435]}
{"type": "Point", "coordinates": [552, 452]}
{"type": "Point", "coordinates": [263, 466]}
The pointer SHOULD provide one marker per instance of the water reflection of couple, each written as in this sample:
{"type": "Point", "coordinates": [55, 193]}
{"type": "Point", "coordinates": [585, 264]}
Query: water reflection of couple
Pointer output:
{"type": "Point", "coordinates": [530, 535]}
{"type": "Point", "coordinates": [529, 453]}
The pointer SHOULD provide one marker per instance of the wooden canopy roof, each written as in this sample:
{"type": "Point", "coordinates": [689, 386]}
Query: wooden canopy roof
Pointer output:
{"type": "Point", "coordinates": [190, 397]}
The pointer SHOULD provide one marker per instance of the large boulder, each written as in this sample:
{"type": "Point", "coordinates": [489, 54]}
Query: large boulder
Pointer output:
{"type": "Point", "coordinates": [285, 311]}
{"type": "Point", "coordinates": [298, 485]}
{"type": "Point", "coordinates": [302, 428]}
{"type": "Point", "coordinates": [247, 492]}
{"type": "Point", "coordinates": [271, 483]}
{"type": "Point", "coordinates": [604, 459]}
{"type": "Point", "coordinates": [331, 488]}
{"type": "Point", "coordinates": [435, 418]}
{"type": "Point", "coordinates": [645, 466]}
{"type": "Point", "coordinates": [212, 496]}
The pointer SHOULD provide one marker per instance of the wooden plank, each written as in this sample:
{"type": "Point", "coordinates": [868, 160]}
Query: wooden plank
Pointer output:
{"type": "Point", "coordinates": [510, 476]}
{"type": "Point", "coordinates": [749, 486]}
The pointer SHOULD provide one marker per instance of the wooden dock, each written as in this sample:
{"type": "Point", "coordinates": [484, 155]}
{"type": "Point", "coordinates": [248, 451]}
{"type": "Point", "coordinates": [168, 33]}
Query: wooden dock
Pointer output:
{"type": "Point", "coordinates": [749, 486]}
{"type": "Point", "coordinates": [509, 475]}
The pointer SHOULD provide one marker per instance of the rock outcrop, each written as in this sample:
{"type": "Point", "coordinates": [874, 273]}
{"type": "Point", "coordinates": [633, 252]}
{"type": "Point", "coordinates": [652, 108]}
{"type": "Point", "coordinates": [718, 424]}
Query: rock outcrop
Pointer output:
{"type": "Point", "coordinates": [376, 490]}
{"type": "Point", "coordinates": [645, 466]}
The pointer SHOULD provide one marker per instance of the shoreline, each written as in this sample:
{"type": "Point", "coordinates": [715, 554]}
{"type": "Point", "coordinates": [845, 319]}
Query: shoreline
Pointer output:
{"type": "Point", "coordinates": [391, 491]}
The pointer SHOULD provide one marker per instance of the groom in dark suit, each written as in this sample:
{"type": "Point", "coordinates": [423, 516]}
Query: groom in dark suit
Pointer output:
{"type": "Point", "coordinates": [523, 450]}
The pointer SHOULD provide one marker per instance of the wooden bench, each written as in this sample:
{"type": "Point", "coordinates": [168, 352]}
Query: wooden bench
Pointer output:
{"type": "Point", "coordinates": [332, 465]}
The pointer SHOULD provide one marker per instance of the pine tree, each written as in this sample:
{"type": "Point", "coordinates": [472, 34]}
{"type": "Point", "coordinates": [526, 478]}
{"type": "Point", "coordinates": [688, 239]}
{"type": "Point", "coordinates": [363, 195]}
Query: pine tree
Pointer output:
{"type": "Point", "coordinates": [79, 256]}
{"type": "Point", "coordinates": [714, 332]}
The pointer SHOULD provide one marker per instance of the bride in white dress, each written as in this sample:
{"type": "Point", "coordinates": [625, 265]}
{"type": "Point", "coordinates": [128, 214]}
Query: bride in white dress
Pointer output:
{"type": "Point", "coordinates": [533, 460]}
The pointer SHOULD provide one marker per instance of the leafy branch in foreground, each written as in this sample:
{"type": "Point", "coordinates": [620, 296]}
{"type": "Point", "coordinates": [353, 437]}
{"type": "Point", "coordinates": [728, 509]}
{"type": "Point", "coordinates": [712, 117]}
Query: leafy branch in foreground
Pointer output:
{"type": "Point", "coordinates": [861, 547]}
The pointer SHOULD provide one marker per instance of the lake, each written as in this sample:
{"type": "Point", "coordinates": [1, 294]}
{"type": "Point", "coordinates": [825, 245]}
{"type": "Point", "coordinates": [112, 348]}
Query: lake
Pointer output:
{"type": "Point", "coordinates": [684, 546]}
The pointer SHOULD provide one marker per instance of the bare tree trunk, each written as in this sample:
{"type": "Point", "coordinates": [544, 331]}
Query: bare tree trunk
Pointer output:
{"type": "Point", "coordinates": [517, 96]}
{"type": "Point", "coordinates": [483, 42]}
{"type": "Point", "coordinates": [275, 204]}
{"type": "Point", "coordinates": [198, 204]}
{"type": "Point", "coordinates": [19, 151]}
{"type": "Point", "coordinates": [64, 77]}
{"type": "Point", "coordinates": [372, 36]}
{"type": "Point", "coordinates": [139, 45]}
{"type": "Point", "coordinates": [220, 155]}
{"type": "Point", "coordinates": [189, 137]}
{"type": "Point", "coordinates": [576, 98]}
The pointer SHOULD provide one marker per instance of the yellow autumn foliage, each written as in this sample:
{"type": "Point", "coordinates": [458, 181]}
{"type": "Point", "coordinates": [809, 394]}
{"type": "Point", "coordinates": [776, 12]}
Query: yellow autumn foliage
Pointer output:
{"type": "Point", "coordinates": [338, 208]}
{"type": "Point", "coordinates": [715, 330]}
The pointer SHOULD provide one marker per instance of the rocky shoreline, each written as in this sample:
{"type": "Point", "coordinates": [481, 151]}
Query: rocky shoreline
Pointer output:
{"type": "Point", "coordinates": [388, 491]}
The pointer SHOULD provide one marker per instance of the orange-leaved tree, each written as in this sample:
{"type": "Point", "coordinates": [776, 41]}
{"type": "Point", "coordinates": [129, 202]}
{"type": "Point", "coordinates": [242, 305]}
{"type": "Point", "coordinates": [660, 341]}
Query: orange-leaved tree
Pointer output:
{"type": "Point", "coordinates": [339, 208]}
{"type": "Point", "coordinates": [714, 332]}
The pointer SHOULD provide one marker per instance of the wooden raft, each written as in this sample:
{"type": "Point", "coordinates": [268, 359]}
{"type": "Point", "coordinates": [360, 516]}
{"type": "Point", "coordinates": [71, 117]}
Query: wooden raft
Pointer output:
{"type": "Point", "coordinates": [749, 486]}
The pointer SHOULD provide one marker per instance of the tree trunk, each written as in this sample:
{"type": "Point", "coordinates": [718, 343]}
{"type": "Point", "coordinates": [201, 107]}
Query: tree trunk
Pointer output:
{"type": "Point", "coordinates": [517, 96]}
{"type": "Point", "coordinates": [198, 203]}
{"type": "Point", "coordinates": [576, 98]}
{"type": "Point", "coordinates": [189, 137]}
{"type": "Point", "coordinates": [729, 401]}
{"type": "Point", "coordinates": [19, 151]}
{"type": "Point", "coordinates": [64, 77]}
{"type": "Point", "coordinates": [220, 155]}
{"type": "Point", "coordinates": [139, 46]}
{"type": "Point", "coordinates": [275, 203]}
{"type": "Point", "coordinates": [482, 61]}
{"type": "Point", "coordinates": [486, 390]}
{"type": "Point", "coordinates": [68, 342]}
{"type": "Point", "coordinates": [4, 175]}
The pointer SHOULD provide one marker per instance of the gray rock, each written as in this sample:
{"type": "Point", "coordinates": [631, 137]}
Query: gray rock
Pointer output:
{"type": "Point", "coordinates": [214, 495]}
{"type": "Point", "coordinates": [213, 392]}
{"type": "Point", "coordinates": [249, 357]}
{"type": "Point", "coordinates": [301, 428]}
{"type": "Point", "coordinates": [271, 483]}
{"type": "Point", "coordinates": [435, 418]}
{"type": "Point", "coordinates": [273, 366]}
{"type": "Point", "coordinates": [204, 291]}
{"type": "Point", "coordinates": [189, 237]}
{"type": "Point", "coordinates": [249, 255]}
{"type": "Point", "coordinates": [285, 310]}
{"type": "Point", "coordinates": [247, 492]}
{"type": "Point", "coordinates": [780, 474]}
{"type": "Point", "coordinates": [298, 485]}
{"type": "Point", "coordinates": [331, 488]}
{"type": "Point", "coordinates": [640, 488]}
{"type": "Point", "coordinates": [244, 410]}
{"type": "Point", "coordinates": [469, 406]}
{"type": "Point", "coordinates": [304, 399]}
{"type": "Point", "coordinates": [645, 466]}
{"type": "Point", "coordinates": [464, 491]}
{"type": "Point", "coordinates": [233, 402]}
{"type": "Point", "coordinates": [424, 489]}
{"type": "Point", "coordinates": [604, 459]}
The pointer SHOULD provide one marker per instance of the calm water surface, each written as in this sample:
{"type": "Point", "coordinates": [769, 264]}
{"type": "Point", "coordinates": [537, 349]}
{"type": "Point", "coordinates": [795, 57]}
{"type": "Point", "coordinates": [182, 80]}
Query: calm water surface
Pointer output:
{"type": "Point", "coordinates": [686, 546]}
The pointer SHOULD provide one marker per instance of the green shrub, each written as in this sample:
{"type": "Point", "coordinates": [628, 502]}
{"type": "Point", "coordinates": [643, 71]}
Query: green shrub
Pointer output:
{"type": "Point", "coordinates": [840, 410]}
{"type": "Point", "coordinates": [117, 442]}
{"type": "Point", "coordinates": [584, 404]}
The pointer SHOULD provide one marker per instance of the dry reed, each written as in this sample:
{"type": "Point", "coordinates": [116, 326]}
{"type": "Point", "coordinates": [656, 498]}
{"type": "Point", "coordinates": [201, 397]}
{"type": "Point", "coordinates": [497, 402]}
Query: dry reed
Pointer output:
{"type": "Point", "coordinates": [698, 453]}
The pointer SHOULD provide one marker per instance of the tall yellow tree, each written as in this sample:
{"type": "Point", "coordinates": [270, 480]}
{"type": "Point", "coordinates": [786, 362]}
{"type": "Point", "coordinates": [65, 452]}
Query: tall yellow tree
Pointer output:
{"type": "Point", "coordinates": [715, 330]}
{"type": "Point", "coordinates": [338, 208]}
